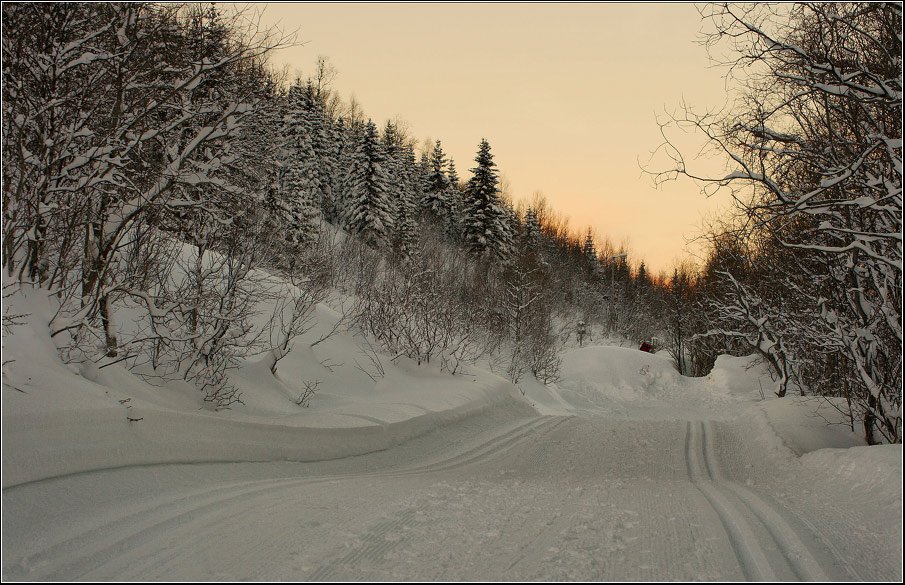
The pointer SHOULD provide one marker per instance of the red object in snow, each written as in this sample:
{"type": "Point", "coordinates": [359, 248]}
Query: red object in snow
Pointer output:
{"type": "Point", "coordinates": [645, 346]}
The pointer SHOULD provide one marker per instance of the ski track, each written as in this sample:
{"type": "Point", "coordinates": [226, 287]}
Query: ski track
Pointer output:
{"type": "Point", "coordinates": [534, 499]}
{"type": "Point", "coordinates": [75, 555]}
{"type": "Point", "coordinates": [747, 518]}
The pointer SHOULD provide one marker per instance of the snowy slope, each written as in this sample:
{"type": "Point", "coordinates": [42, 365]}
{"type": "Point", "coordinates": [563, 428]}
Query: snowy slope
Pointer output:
{"type": "Point", "coordinates": [624, 470]}
{"type": "Point", "coordinates": [60, 419]}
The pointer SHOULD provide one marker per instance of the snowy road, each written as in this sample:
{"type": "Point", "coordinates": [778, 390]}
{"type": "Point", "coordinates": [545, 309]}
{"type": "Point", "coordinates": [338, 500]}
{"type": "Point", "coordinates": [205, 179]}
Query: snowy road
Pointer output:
{"type": "Point", "coordinates": [501, 496]}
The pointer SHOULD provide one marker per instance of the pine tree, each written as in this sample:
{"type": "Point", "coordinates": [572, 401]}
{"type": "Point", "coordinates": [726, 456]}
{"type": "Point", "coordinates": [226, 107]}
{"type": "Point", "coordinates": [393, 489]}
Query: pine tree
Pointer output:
{"type": "Point", "coordinates": [482, 213]}
{"type": "Point", "coordinates": [509, 225]}
{"type": "Point", "coordinates": [452, 175]}
{"type": "Point", "coordinates": [393, 149]}
{"type": "Point", "coordinates": [302, 197]}
{"type": "Point", "coordinates": [642, 280]}
{"type": "Point", "coordinates": [275, 201]}
{"type": "Point", "coordinates": [424, 170]}
{"type": "Point", "coordinates": [392, 137]}
{"type": "Point", "coordinates": [368, 210]}
{"type": "Point", "coordinates": [531, 241]}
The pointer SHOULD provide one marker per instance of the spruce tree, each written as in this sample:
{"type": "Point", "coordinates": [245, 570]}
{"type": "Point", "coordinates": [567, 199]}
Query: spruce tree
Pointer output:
{"type": "Point", "coordinates": [436, 188]}
{"type": "Point", "coordinates": [509, 225]}
{"type": "Point", "coordinates": [405, 189]}
{"type": "Point", "coordinates": [322, 139]}
{"type": "Point", "coordinates": [393, 149]}
{"type": "Point", "coordinates": [590, 252]}
{"type": "Point", "coordinates": [643, 278]}
{"type": "Point", "coordinates": [276, 203]}
{"type": "Point", "coordinates": [424, 171]}
{"type": "Point", "coordinates": [409, 190]}
{"type": "Point", "coordinates": [529, 245]}
{"type": "Point", "coordinates": [368, 210]}
{"type": "Point", "coordinates": [342, 146]}
{"type": "Point", "coordinates": [453, 222]}
{"type": "Point", "coordinates": [300, 184]}
{"type": "Point", "coordinates": [482, 215]}
{"type": "Point", "coordinates": [452, 175]}
{"type": "Point", "coordinates": [532, 230]}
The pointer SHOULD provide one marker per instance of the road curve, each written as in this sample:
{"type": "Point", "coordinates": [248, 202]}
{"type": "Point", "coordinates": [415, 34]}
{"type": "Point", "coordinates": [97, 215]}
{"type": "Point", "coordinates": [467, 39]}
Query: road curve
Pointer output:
{"type": "Point", "coordinates": [500, 497]}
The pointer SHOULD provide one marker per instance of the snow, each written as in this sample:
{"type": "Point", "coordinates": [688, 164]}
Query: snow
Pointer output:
{"type": "Point", "coordinates": [640, 384]}
{"type": "Point", "coordinates": [57, 421]}
{"type": "Point", "coordinates": [623, 470]}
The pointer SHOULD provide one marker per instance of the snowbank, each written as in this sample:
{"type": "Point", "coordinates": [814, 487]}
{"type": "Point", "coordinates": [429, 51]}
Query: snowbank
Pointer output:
{"type": "Point", "coordinates": [875, 470]}
{"type": "Point", "coordinates": [628, 383]}
{"type": "Point", "coordinates": [745, 377]}
{"type": "Point", "coordinates": [43, 445]}
{"type": "Point", "coordinates": [60, 419]}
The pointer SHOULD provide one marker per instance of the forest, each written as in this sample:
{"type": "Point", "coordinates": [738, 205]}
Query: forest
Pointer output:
{"type": "Point", "coordinates": [155, 163]}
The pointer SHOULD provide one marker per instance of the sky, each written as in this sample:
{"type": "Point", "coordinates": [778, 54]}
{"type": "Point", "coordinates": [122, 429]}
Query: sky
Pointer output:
{"type": "Point", "coordinates": [566, 94]}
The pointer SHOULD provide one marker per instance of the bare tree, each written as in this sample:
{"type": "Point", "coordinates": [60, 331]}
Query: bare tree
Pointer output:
{"type": "Point", "coordinates": [814, 144]}
{"type": "Point", "coordinates": [292, 314]}
{"type": "Point", "coordinates": [122, 120]}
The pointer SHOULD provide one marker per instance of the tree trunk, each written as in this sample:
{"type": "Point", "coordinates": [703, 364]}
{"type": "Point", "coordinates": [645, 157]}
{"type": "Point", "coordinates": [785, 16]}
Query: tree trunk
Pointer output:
{"type": "Point", "coordinates": [869, 421]}
{"type": "Point", "coordinates": [109, 326]}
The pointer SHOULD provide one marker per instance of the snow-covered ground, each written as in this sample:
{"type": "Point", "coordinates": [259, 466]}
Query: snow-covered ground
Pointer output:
{"type": "Point", "coordinates": [624, 470]}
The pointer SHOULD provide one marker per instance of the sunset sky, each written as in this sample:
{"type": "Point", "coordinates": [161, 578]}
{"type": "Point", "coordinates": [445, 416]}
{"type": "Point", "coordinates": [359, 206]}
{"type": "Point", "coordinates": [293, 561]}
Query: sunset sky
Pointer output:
{"type": "Point", "coordinates": [566, 94]}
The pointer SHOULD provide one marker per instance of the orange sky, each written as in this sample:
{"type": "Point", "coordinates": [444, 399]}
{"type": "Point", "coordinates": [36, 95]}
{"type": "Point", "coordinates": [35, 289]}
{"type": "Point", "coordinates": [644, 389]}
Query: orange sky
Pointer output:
{"type": "Point", "coordinates": [566, 94]}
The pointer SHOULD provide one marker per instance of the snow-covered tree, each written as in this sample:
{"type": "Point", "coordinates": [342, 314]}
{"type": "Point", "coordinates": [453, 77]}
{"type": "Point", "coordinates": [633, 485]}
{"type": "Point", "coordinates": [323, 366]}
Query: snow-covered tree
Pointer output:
{"type": "Point", "coordinates": [302, 186]}
{"type": "Point", "coordinates": [407, 211]}
{"type": "Point", "coordinates": [122, 120]}
{"type": "Point", "coordinates": [509, 228]}
{"type": "Point", "coordinates": [531, 233]}
{"type": "Point", "coordinates": [436, 186]}
{"type": "Point", "coordinates": [454, 198]}
{"type": "Point", "coordinates": [816, 155]}
{"type": "Point", "coordinates": [366, 194]}
{"type": "Point", "coordinates": [589, 249]}
{"type": "Point", "coordinates": [343, 141]}
{"type": "Point", "coordinates": [482, 214]}
{"type": "Point", "coordinates": [453, 176]}
{"type": "Point", "coordinates": [406, 189]}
